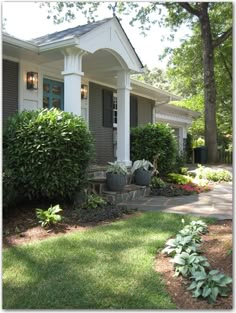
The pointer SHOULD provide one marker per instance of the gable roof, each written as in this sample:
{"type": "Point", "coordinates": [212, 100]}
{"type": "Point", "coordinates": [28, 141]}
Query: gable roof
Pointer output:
{"type": "Point", "coordinates": [68, 33]}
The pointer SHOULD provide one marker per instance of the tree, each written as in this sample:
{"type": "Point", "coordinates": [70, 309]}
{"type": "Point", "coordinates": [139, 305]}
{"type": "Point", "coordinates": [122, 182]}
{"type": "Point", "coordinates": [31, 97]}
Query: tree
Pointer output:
{"type": "Point", "coordinates": [185, 73]}
{"type": "Point", "coordinates": [156, 77]}
{"type": "Point", "coordinates": [178, 13]}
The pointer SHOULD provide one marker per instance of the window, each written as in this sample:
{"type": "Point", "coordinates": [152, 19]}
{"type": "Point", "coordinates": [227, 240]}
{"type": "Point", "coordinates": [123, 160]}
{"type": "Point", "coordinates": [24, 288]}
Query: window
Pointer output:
{"type": "Point", "coordinates": [53, 94]}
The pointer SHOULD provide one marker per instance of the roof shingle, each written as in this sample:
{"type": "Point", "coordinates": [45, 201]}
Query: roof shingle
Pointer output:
{"type": "Point", "coordinates": [68, 33]}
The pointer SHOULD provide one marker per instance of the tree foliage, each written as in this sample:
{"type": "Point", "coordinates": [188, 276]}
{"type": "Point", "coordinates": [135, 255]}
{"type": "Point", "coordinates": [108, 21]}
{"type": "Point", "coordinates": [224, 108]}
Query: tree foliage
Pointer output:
{"type": "Point", "coordinates": [185, 75]}
{"type": "Point", "coordinates": [155, 77]}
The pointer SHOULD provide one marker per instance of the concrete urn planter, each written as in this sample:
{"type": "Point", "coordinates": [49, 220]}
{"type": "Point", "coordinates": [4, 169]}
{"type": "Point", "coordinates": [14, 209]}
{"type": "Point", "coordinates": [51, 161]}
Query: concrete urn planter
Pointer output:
{"type": "Point", "coordinates": [142, 177]}
{"type": "Point", "coordinates": [116, 182]}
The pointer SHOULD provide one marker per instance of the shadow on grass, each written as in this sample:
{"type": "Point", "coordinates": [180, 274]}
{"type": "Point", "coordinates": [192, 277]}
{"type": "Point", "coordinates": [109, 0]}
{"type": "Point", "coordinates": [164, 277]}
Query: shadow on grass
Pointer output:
{"type": "Point", "coordinates": [110, 266]}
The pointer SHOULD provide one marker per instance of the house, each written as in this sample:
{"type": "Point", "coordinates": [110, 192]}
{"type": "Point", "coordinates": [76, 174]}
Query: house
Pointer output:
{"type": "Point", "coordinates": [87, 70]}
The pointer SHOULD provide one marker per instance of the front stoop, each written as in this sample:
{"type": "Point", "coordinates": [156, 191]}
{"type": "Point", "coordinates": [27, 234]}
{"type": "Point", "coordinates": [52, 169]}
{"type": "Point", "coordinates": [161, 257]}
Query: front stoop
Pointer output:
{"type": "Point", "coordinates": [97, 184]}
{"type": "Point", "coordinates": [130, 192]}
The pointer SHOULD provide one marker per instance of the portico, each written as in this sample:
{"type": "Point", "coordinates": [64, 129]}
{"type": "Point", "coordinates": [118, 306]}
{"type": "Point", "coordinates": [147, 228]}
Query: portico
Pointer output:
{"type": "Point", "coordinates": [117, 61]}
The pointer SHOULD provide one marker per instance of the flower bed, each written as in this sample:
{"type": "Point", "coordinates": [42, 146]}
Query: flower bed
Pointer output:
{"type": "Point", "coordinates": [173, 190]}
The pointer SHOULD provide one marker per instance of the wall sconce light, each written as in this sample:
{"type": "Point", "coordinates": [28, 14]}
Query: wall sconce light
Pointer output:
{"type": "Point", "coordinates": [84, 91]}
{"type": "Point", "coordinates": [32, 80]}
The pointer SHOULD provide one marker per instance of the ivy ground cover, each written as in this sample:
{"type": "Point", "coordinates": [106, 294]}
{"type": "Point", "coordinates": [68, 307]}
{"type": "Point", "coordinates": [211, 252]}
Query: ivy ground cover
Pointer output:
{"type": "Point", "coordinates": [107, 267]}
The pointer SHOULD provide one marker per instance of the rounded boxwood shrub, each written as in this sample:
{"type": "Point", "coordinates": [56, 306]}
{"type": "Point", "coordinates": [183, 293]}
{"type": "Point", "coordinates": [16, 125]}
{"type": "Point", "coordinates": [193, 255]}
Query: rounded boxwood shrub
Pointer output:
{"type": "Point", "coordinates": [48, 152]}
{"type": "Point", "coordinates": [154, 139]}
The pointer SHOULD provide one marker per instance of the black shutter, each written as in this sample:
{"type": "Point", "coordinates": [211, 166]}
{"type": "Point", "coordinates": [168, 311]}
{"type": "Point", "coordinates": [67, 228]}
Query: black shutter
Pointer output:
{"type": "Point", "coordinates": [133, 111]}
{"type": "Point", "coordinates": [107, 108]}
{"type": "Point", "coordinates": [9, 89]}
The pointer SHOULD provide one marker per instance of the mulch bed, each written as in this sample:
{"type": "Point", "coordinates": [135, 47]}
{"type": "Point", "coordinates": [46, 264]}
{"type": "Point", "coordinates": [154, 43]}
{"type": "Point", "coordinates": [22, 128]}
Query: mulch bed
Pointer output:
{"type": "Point", "coordinates": [216, 245]}
{"type": "Point", "coordinates": [22, 227]}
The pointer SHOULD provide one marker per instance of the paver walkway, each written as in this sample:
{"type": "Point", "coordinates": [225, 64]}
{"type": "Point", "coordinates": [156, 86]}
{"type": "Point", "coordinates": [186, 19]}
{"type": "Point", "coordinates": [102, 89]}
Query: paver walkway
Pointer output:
{"type": "Point", "coordinates": [215, 203]}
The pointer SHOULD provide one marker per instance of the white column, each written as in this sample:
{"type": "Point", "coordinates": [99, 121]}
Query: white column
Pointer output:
{"type": "Point", "coordinates": [182, 136]}
{"type": "Point", "coordinates": [72, 79]}
{"type": "Point", "coordinates": [123, 119]}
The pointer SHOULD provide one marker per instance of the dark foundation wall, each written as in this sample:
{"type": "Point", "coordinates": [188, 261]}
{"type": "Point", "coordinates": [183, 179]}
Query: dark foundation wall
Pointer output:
{"type": "Point", "coordinates": [103, 135]}
{"type": "Point", "coordinates": [9, 89]}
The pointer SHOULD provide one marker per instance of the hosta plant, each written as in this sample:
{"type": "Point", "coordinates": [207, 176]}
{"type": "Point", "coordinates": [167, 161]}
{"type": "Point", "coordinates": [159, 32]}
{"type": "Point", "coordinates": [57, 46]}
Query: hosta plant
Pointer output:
{"type": "Point", "coordinates": [144, 164]}
{"type": "Point", "coordinates": [157, 182]}
{"type": "Point", "coordinates": [117, 168]}
{"type": "Point", "coordinates": [93, 202]}
{"type": "Point", "coordinates": [49, 216]}
{"type": "Point", "coordinates": [180, 244]}
{"type": "Point", "coordinates": [186, 231]}
{"type": "Point", "coordinates": [198, 227]}
{"type": "Point", "coordinates": [210, 285]}
{"type": "Point", "coordinates": [186, 264]}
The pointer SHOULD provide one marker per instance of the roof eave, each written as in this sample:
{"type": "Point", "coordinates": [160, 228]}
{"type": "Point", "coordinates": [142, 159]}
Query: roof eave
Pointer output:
{"type": "Point", "coordinates": [19, 43]}
{"type": "Point", "coordinates": [155, 89]}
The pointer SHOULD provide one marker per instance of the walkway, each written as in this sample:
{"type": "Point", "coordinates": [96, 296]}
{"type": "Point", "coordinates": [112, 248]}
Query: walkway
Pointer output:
{"type": "Point", "coordinates": [216, 203]}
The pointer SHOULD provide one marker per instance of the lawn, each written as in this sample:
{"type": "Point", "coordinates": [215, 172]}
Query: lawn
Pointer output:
{"type": "Point", "coordinates": [106, 267]}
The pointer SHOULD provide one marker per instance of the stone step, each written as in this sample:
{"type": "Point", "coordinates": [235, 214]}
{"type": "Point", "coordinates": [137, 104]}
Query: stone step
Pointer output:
{"type": "Point", "coordinates": [97, 185]}
{"type": "Point", "coordinates": [130, 192]}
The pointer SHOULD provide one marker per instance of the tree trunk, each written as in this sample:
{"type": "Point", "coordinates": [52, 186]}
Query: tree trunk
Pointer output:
{"type": "Point", "coordinates": [209, 84]}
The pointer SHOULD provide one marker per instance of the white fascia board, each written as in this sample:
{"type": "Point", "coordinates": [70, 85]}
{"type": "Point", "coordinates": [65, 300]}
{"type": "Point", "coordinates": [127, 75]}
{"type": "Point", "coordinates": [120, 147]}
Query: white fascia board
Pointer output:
{"type": "Point", "coordinates": [19, 43]}
{"type": "Point", "coordinates": [177, 109]}
{"type": "Point", "coordinates": [173, 118]}
{"type": "Point", "coordinates": [57, 44]}
{"type": "Point", "coordinates": [155, 89]}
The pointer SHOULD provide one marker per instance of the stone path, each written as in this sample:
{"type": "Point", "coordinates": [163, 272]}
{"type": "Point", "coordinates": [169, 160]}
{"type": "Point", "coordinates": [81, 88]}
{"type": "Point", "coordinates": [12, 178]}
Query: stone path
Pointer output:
{"type": "Point", "coordinates": [216, 203]}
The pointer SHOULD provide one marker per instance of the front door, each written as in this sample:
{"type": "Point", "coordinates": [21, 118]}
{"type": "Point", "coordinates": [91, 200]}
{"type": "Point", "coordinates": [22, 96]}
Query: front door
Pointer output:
{"type": "Point", "coordinates": [53, 94]}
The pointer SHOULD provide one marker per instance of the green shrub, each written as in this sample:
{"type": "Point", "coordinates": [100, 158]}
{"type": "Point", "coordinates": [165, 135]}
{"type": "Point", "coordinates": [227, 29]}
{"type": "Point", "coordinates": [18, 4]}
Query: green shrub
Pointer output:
{"type": "Point", "coordinates": [183, 170]}
{"type": "Point", "coordinates": [157, 182]}
{"type": "Point", "coordinates": [49, 216]}
{"type": "Point", "coordinates": [179, 179]}
{"type": "Point", "coordinates": [151, 140]}
{"type": "Point", "coordinates": [48, 152]}
{"type": "Point", "coordinates": [11, 195]}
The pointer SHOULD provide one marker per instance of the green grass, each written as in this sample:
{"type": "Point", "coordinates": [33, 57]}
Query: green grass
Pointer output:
{"type": "Point", "coordinates": [107, 267]}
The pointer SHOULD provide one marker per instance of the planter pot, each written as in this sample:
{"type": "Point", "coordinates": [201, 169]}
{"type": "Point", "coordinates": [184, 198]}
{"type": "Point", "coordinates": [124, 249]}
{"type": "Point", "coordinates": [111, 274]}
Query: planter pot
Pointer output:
{"type": "Point", "coordinates": [142, 177]}
{"type": "Point", "coordinates": [116, 182]}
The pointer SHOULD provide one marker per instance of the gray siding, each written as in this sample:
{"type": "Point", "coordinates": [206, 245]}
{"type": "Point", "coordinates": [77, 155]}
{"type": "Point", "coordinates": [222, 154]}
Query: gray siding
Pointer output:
{"type": "Point", "coordinates": [10, 89]}
{"type": "Point", "coordinates": [103, 135]}
{"type": "Point", "coordinates": [145, 107]}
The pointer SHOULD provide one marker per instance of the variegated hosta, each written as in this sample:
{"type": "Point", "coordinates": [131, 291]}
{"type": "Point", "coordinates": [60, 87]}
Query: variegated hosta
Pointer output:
{"type": "Point", "coordinates": [199, 227]}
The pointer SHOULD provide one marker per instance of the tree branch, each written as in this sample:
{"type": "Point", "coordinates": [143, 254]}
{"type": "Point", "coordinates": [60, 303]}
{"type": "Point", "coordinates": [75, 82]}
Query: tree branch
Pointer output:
{"type": "Point", "coordinates": [189, 8]}
{"type": "Point", "coordinates": [218, 41]}
{"type": "Point", "coordinates": [226, 66]}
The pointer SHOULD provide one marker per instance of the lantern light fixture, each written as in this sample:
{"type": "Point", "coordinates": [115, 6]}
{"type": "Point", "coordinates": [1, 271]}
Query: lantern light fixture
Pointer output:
{"type": "Point", "coordinates": [32, 80]}
{"type": "Point", "coordinates": [84, 91]}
